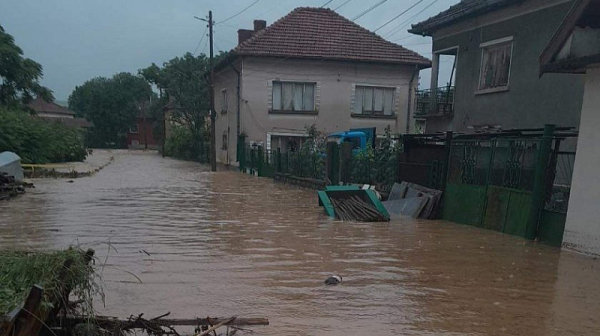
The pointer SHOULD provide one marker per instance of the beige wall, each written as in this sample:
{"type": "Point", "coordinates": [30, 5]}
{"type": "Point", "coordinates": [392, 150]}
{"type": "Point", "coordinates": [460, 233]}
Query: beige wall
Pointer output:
{"type": "Point", "coordinates": [582, 230]}
{"type": "Point", "coordinates": [334, 95]}
{"type": "Point", "coordinates": [226, 122]}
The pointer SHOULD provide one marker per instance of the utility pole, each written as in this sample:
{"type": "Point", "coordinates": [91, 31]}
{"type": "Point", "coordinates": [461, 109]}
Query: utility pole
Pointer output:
{"type": "Point", "coordinates": [213, 137]}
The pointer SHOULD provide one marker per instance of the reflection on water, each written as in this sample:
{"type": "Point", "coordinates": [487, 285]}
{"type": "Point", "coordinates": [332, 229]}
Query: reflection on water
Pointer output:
{"type": "Point", "coordinates": [232, 244]}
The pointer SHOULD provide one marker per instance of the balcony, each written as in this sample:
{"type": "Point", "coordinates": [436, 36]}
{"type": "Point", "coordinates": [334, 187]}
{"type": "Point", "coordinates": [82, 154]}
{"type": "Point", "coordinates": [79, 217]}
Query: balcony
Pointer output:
{"type": "Point", "coordinates": [434, 103]}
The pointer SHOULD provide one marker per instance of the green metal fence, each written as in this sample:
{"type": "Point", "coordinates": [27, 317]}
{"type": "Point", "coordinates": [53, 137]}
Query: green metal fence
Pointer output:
{"type": "Point", "coordinates": [266, 163]}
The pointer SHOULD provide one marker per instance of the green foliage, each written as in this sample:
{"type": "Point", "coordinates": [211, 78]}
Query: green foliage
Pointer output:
{"type": "Point", "coordinates": [20, 270]}
{"type": "Point", "coordinates": [39, 141]}
{"type": "Point", "coordinates": [376, 166]}
{"type": "Point", "coordinates": [112, 105]}
{"type": "Point", "coordinates": [185, 84]}
{"type": "Point", "coordinates": [19, 77]}
{"type": "Point", "coordinates": [183, 145]}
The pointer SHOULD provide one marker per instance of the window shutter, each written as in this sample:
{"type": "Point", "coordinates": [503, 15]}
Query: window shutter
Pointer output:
{"type": "Point", "coordinates": [317, 95]}
{"type": "Point", "coordinates": [353, 99]}
{"type": "Point", "coordinates": [397, 98]}
{"type": "Point", "coordinates": [270, 95]}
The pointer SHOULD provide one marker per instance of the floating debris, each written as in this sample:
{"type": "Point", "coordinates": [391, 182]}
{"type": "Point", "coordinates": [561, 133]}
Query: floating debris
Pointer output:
{"type": "Point", "coordinates": [10, 188]}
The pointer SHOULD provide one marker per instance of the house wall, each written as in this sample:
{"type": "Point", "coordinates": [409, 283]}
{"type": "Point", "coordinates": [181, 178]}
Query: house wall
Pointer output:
{"type": "Point", "coordinates": [226, 121]}
{"type": "Point", "coordinates": [146, 127]}
{"type": "Point", "coordinates": [530, 101]}
{"type": "Point", "coordinates": [334, 98]}
{"type": "Point", "coordinates": [582, 229]}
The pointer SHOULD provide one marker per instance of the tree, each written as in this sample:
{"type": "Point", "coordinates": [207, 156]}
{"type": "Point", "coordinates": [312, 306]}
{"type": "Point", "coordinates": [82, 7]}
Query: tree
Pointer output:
{"type": "Point", "coordinates": [184, 81]}
{"type": "Point", "coordinates": [112, 105]}
{"type": "Point", "coordinates": [19, 77]}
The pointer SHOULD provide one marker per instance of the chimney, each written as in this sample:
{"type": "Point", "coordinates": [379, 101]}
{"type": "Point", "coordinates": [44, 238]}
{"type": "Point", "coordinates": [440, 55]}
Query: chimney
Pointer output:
{"type": "Point", "coordinates": [259, 25]}
{"type": "Point", "coordinates": [244, 34]}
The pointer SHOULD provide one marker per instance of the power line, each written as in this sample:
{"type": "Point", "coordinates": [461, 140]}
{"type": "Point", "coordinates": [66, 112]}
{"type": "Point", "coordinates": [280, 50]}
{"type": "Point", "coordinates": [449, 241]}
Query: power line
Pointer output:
{"type": "Point", "coordinates": [399, 15]}
{"type": "Point", "coordinates": [327, 3]}
{"type": "Point", "coordinates": [399, 27]}
{"type": "Point", "coordinates": [238, 13]}
{"type": "Point", "coordinates": [338, 7]}
{"type": "Point", "coordinates": [200, 42]}
{"type": "Point", "coordinates": [369, 9]}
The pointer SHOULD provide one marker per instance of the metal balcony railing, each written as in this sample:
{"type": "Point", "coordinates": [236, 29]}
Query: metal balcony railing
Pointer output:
{"type": "Point", "coordinates": [434, 102]}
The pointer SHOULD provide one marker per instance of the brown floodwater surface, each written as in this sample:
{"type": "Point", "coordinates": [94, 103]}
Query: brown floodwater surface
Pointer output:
{"type": "Point", "coordinates": [224, 244]}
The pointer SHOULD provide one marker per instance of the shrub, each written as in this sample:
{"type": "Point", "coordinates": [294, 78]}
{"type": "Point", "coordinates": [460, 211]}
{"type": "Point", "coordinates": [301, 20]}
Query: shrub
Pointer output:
{"type": "Point", "coordinates": [182, 144]}
{"type": "Point", "coordinates": [39, 141]}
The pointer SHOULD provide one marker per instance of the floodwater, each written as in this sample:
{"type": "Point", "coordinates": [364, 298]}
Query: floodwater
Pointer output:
{"type": "Point", "coordinates": [227, 244]}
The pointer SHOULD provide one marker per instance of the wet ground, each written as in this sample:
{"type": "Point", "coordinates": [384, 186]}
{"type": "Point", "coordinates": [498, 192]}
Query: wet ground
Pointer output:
{"type": "Point", "coordinates": [232, 244]}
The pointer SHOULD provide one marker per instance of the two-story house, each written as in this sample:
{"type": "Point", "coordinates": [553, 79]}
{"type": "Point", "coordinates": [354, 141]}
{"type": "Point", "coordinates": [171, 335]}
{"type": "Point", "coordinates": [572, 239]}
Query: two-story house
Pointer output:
{"type": "Point", "coordinates": [311, 67]}
{"type": "Point", "coordinates": [494, 46]}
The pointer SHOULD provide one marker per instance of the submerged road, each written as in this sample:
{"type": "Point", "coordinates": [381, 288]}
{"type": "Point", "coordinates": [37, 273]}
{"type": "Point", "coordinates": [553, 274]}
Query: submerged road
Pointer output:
{"type": "Point", "coordinates": [224, 244]}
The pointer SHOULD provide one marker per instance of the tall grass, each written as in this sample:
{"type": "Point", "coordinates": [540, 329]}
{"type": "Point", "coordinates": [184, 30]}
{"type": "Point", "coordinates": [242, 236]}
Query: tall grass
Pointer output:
{"type": "Point", "coordinates": [20, 270]}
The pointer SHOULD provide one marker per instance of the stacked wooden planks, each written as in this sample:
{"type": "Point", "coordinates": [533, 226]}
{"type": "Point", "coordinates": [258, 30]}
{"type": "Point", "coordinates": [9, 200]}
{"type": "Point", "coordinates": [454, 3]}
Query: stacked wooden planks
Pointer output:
{"type": "Point", "coordinates": [357, 210]}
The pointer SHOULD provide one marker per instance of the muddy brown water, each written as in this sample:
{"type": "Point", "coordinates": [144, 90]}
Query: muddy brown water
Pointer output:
{"type": "Point", "coordinates": [231, 244]}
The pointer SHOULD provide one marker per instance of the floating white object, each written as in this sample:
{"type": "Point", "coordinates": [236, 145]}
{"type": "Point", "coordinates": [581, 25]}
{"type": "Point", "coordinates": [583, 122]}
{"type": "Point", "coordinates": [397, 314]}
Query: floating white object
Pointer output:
{"type": "Point", "coordinates": [10, 163]}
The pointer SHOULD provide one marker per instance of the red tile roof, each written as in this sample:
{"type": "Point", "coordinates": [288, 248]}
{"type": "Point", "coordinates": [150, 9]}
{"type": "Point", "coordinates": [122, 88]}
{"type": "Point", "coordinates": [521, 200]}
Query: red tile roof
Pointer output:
{"type": "Point", "coordinates": [39, 105]}
{"type": "Point", "coordinates": [461, 11]}
{"type": "Point", "coordinates": [321, 33]}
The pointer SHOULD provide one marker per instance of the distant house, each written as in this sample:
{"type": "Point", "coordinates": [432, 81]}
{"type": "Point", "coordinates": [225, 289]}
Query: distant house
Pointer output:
{"type": "Point", "coordinates": [53, 112]}
{"type": "Point", "coordinates": [141, 134]}
{"type": "Point", "coordinates": [575, 49]}
{"type": "Point", "coordinates": [494, 46]}
{"type": "Point", "coordinates": [312, 66]}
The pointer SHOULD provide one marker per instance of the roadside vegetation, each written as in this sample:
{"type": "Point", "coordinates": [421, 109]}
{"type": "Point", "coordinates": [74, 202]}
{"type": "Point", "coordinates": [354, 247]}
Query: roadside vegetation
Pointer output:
{"type": "Point", "coordinates": [185, 91]}
{"type": "Point", "coordinates": [39, 141]}
{"type": "Point", "coordinates": [33, 139]}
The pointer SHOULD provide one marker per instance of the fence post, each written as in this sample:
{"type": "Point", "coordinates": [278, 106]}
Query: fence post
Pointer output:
{"type": "Point", "coordinates": [260, 161]}
{"type": "Point", "coordinates": [242, 157]}
{"type": "Point", "coordinates": [446, 162]}
{"type": "Point", "coordinates": [333, 163]}
{"type": "Point", "coordinates": [278, 167]}
{"type": "Point", "coordinates": [346, 158]}
{"type": "Point", "coordinates": [539, 184]}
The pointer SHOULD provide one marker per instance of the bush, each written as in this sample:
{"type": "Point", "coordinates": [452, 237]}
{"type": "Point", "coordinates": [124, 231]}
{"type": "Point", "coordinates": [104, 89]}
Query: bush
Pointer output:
{"type": "Point", "coordinates": [39, 141]}
{"type": "Point", "coordinates": [182, 144]}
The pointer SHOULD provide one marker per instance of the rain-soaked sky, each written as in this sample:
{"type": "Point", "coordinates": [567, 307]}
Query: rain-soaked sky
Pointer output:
{"type": "Point", "coordinates": [76, 40]}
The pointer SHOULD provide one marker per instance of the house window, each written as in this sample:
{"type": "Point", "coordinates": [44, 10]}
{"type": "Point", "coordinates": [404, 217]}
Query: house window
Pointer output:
{"type": "Point", "coordinates": [495, 64]}
{"type": "Point", "coordinates": [372, 100]}
{"type": "Point", "coordinates": [224, 106]}
{"type": "Point", "coordinates": [224, 146]}
{"type": "Point", "coordinates": [293, 97]}
{"type": "Point", "coordinates": [134, 129]}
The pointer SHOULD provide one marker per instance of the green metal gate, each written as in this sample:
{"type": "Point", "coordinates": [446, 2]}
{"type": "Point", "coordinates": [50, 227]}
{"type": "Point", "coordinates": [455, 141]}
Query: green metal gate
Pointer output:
{"type": "Point", "coordinates": [491, 183]}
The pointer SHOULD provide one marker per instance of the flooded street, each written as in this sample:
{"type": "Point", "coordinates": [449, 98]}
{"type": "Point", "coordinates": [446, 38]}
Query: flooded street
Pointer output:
{"type": "Point", "coordinates": [229, 244]}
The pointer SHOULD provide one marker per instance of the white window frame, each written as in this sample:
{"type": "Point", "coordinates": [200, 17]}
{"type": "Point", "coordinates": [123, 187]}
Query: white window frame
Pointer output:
{"type": "Point", "coordinates": [392, 89]}
{"type": "Point", "coordinates": [224, 101]}
{"type": "Point", "coordinates": [134, 129]}
{"type": "Point", "coordinates": [485, 45]}
{"type": "Point", "coordinates": [280, 109]}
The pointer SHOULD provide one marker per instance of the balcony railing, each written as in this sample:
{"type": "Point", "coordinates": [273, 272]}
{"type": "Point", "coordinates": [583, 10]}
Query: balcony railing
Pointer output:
{"type": "Point", "coordinates": [434, 102]}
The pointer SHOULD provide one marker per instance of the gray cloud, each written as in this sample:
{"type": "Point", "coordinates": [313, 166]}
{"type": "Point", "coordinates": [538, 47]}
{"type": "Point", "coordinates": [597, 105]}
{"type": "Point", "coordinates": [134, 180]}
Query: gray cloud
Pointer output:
{"type": "Point", "coordinates": [76, 40]}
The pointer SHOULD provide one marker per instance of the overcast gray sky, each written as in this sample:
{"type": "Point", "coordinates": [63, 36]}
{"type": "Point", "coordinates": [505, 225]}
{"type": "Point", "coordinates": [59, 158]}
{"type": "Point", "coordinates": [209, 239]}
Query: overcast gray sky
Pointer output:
{"type": "Point", "coordinates": [76, 40]}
